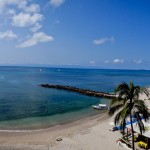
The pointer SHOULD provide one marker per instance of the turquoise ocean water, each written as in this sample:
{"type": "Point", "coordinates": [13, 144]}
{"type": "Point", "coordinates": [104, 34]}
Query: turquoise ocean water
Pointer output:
{"type": "Point", "coordinates": [26, 105]}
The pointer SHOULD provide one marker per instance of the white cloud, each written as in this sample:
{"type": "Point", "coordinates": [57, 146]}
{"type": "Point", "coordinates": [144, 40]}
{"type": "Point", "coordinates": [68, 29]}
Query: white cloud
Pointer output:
{"type": "Point", "coordinates": [107, 61]}
{"type": "Point", "coordinates": [16, 2]}
{"type": "Point", "coordinates": [139, 61]}
{"type": "Point", "coordinates": [26, 19]}
{"type": "Point", "coordinates": [103, 40]}
{"type": "Point", "coordinates": [100, 41]}
{"type": "Point", "coordinates": [19, 3]}
{"type": "Point", "coordinates": [39, 37]}
{"type": "Point", "coordinates": [56, 3]}
{"type": "Point", "coordinates": [11, 12]}
{"type": "Point", "coordinates": [36, 27]}
{"type": "Point", "coordinates": [22, 4]}
{"type": "Point", "coordinates": [2, 5]}
{"type": "Point", "coordinates": [118, 61]}
{"type": "Point", "coordinates": [9, 35]}
{"type": "Point", "coordinates": [115, 61]}
{"type": "Point", "coordinates": [33, 8]}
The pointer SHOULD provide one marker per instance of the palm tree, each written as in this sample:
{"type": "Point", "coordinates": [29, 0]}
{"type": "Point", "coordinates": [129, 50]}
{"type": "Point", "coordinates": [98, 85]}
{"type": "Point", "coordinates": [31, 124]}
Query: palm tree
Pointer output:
{"type": "Point", "coordinates": [127, 104]}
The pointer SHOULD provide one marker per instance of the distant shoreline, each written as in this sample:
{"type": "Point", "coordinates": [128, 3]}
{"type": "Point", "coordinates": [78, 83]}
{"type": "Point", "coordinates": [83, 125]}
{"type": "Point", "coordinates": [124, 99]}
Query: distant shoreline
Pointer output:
{"type": "Point", "coordinates": [73, 67]}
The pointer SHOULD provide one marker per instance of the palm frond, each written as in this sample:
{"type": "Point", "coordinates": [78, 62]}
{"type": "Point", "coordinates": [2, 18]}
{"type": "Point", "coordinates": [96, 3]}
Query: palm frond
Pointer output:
{"type": "Point", "coordinates": [117, 117]}
{"type": "Point", "coordinates": [144, 113]}
{"type": "Point", "coordinates": [123, 94]}
{"type": "Point", "coordinates": [140, 106]}
{"type": "Point", "coordinates": [114, 108]}
{"type": "Point", "coordinates": [140, 122]}
{"type": "Point", "coordinates": [139, 103]}
{"type": "Point", "coordinates": [136, 92]}
{"type": "Point", "coordinates": [145, 91]}
{"type": "Point", "coordinates": [125, 114]}
{"type": "Point", "coordinates": [122, 86]}
{"type": "Point", "coordinates": [122, 114]}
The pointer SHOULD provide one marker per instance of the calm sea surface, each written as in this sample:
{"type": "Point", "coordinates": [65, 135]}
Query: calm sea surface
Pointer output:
{"type": "Point", "coordinates": [26, 105]}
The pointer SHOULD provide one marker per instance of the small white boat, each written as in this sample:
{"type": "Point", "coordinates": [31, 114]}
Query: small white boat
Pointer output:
{"type": "Point", "coordinates": [101, 106]}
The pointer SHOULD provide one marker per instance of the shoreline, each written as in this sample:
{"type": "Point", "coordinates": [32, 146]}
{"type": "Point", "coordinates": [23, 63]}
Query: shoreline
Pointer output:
{"type": "Point", "coordinates": [47, 137]}
{"type": "Point", "coordinates": [46, 125]}
{"type": "Point", "coordinates": [60, 126]}
{"type": "Point", "coordinates": [86, 134]}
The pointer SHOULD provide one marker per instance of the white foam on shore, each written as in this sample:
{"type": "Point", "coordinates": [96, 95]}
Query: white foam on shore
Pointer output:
{"type": "Point", "coordinates": [20, 131]}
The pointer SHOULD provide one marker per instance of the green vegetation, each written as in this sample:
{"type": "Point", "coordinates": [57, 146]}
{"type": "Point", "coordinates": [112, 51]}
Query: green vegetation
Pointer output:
{"type": "Point", "coordinates": [128, 105]}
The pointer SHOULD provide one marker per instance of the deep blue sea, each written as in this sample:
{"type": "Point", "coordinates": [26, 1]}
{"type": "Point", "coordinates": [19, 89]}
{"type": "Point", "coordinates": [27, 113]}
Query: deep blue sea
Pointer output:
{"type": "Point", "coordinates": [26, 105]}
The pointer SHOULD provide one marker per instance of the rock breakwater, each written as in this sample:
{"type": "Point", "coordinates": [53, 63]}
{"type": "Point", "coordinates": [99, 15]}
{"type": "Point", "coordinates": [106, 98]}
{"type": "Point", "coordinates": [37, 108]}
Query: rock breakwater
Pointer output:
{"type": "Point", "coordinates": [80, 90]}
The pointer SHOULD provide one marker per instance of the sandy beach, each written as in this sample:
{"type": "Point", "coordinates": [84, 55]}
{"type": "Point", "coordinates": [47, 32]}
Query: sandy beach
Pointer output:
{"type": "Point", "coordinates": [91, 133]}
{"type": "Point", "coordinates": [85, 134]}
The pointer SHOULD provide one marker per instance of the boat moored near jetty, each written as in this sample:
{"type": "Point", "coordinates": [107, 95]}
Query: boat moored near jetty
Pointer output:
{"type": "Point", "coordinates": [101, 106]}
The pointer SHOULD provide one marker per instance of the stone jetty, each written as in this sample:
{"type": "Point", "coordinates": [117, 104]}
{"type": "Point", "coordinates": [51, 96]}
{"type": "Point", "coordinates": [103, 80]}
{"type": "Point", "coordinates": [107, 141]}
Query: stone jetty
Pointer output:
{"type": "Point", "coordinates": [80, 90]}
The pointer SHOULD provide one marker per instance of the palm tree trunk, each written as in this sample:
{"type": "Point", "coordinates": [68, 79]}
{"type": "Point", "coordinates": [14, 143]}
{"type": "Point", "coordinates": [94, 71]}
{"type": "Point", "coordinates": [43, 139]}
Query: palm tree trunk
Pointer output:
{"type": "Point", "coordinates": [127, 134]}
{"type": "Point", "coordinates": [133, 147]}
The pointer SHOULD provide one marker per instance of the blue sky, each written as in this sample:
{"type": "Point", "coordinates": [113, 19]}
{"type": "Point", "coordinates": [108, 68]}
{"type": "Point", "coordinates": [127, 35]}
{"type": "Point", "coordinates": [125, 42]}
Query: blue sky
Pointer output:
{"type": "Point", "coordinates": [75, 33]}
